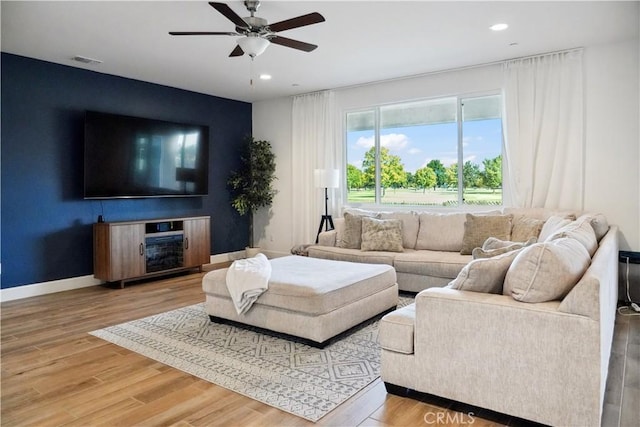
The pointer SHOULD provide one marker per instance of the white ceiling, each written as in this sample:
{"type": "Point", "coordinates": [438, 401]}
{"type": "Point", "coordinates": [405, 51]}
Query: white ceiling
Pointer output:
{"type": "Point", "coordinates": [360, 42]}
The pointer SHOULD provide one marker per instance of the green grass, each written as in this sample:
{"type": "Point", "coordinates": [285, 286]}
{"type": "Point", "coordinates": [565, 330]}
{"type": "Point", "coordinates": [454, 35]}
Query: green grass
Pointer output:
{"type": "Point", "coordinates": [439, 197]}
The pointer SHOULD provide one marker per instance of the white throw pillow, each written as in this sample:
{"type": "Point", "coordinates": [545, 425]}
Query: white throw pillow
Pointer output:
{"type": "Point", "coordinates": [582, 231]}
{"type": "Point", "coordinates": [484, 274]}
{"type": "Point", "coordinates": [598, 222]}
{"type": "Point", "coordinates": [553, 224]}
{"type": "Point", "coordinates": [546, 271]}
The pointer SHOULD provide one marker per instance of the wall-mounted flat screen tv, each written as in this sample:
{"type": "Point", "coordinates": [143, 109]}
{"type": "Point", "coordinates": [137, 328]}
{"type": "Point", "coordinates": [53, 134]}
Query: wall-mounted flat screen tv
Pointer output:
{"type": "Point", "coordinates": [129, 157]}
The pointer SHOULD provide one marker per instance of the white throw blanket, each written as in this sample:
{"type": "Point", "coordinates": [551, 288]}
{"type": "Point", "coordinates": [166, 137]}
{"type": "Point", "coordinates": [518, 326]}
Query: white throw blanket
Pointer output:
{"type": "Point", "coordinates": [247, 279]}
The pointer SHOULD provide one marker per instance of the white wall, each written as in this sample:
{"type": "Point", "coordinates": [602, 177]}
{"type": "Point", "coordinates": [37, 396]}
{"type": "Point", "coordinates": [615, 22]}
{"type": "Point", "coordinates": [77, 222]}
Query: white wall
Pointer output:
{"type": "Point", "coordinates": [611, 130]}
{"type": "Point", "coordinates": [272, 122]}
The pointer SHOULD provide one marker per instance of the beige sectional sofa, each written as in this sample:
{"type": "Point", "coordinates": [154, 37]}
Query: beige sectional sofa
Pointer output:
{"type": "Point", "coordinates": [430, 252]}
{"type": "Point", "coordinates": [524, 331]}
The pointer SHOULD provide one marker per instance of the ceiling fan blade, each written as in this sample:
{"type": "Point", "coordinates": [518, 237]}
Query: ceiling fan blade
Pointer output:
{"type": "Point", "coordinates": [202, 33]}
{"type": "Point", "coordinates": [295, 44]}
{"type": "Point", "coordinates": [300, 21]}
{"type": "Point", "coordinates": [224, 9]}
{"type": "Point", "coordinates": [237, 52]}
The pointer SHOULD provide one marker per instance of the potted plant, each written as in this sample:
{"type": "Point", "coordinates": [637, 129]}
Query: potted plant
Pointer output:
{"type": "Point", "coordinates": [252, 184]}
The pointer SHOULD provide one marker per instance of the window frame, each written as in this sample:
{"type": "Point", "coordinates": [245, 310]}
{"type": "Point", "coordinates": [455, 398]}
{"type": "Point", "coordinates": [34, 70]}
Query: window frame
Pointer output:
{"type": "Point", "coordinates": [376, 109]}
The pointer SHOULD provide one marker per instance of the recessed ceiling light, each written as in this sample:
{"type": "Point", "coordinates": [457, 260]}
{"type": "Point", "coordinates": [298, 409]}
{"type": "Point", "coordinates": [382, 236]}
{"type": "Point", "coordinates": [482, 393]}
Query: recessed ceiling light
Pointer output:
{"type": "Point", "coordinates": [265, 77]}
{"type": "Point", "coordinates": [499, 27]}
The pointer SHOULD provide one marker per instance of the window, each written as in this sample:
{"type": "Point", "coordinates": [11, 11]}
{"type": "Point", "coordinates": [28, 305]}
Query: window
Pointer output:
{"type": "Point", "coordinates": [439, 152]}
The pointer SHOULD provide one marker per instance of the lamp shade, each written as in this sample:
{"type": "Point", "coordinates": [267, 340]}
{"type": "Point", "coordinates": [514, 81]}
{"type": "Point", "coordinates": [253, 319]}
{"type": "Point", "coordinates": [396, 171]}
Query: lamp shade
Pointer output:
{"type": "Point", "coordinates": [327, 178]}
{"type": "Point", "coordinates": [253, 45]}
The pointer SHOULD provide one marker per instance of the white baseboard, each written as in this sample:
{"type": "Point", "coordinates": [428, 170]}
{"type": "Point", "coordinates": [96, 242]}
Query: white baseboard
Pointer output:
{"type": "Point", "coordinates": [44, 288]}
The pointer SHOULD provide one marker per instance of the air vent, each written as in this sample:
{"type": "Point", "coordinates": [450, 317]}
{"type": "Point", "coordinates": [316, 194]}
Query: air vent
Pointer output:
{"type": "Point", "coordinates": [86, 60]}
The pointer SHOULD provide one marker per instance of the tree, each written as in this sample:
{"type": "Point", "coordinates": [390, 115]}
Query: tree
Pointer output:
{"type": "Point", "coordinates": [392, 172]}
{"type": "Point", "coordinates": [492, 174]}
{"type": "Point", "coordinates": [451, 176]}
{"type": "Point", "coordinates": [425, 178]}
{"type": "Point", "coordinates": [355, 177]}
{"type": "Point", "coordinates": [470, 175]}
{"type": "Point", "coordinates": [440, 171]}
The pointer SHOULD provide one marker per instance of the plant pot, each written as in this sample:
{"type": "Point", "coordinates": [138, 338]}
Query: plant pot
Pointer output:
{"type": "Point", "coordinates": [251, 252]}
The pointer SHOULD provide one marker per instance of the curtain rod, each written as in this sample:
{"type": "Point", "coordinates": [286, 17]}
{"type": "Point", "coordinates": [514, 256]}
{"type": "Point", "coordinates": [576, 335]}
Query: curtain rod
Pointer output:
{"type": "Point", "coordinates": [448, 70]}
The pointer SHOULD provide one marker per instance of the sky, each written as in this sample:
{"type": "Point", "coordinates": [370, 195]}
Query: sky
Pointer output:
{"type": "Point", "coordinates": [418, 145]}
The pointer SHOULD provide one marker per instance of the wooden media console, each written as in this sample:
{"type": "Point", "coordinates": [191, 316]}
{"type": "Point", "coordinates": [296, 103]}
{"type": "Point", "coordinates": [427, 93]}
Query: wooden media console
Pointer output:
{"type": "Point", "coordinates": [130, 250]}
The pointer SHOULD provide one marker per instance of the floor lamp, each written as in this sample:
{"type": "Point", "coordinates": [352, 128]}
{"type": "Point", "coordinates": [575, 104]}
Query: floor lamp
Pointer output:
{"type": "Point", "coordinates": [326, 178]}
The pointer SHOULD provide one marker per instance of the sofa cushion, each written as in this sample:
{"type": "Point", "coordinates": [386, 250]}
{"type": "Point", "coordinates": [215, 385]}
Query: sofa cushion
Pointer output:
{"type": "Point", "coordinates": [381, 235]}
{"type": "Point", "coordinates": [397, 328]}
{"type": "Point", "coordinates": [581, 231]}
{"type": "Point", "coordinates": [351, 255]}
{"type": "Point", "coordinates": [477, 228]}
{"type": "Point", "coordinates": [352, 235]}
{"type": "Point", "coordinates": [546, 271]}
{"type": "Point", "coordinates": [431, 263]}
{"type": "Point", "coordinates": [440, 232]}
{"type": "Point", "coordinates": [410, 226]}
{"type": "Point", "coordinates": [485, 274]}
{"type": "Point", "coordinates": [524, 228]}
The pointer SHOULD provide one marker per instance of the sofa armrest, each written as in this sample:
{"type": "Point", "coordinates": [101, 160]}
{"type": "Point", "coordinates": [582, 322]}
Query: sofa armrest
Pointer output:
{"type": "Point", "coordinates": [495, 352]}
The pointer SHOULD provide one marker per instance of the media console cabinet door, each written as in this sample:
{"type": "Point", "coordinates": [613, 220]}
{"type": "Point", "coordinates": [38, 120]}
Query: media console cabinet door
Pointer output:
{"type": "Point", "coordinates": [197, 242]}
{"type": "Point", "coordinates": [121, 248]}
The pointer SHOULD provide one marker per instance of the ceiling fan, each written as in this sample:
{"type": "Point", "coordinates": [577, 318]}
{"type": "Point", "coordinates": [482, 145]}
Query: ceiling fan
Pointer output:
{"type": "Point", "coordinates": [257, 32]}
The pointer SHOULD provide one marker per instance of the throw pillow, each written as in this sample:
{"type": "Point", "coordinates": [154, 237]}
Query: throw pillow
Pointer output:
{"type": "Point", "coordinates": [582, 231]}
{"type": "Point", "coordinates": [352, 234]}
{"type": "Point", "coordinates": [546, 271]}
{"type": "Point", "coordinates": [488, 253]}
{"type": "Point", "coordinates": [484, 275]}
{"type": "Point", "coordinates": [524, 228]}
{"type": "Point", "coordinates": [598, 222]}
{"type": "Point", "coordinates": [381, 235]}
{"type": "Point", "coordinates": [494, 243]}
{"type": "Point", "coordinates": [478, 228]}
{"type": "Point", "coordinates": [553, 224]}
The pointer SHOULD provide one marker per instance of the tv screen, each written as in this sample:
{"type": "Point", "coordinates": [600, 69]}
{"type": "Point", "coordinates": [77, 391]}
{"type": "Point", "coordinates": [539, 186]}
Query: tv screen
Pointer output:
{"type": "Point", "coordinates": [127, 157]}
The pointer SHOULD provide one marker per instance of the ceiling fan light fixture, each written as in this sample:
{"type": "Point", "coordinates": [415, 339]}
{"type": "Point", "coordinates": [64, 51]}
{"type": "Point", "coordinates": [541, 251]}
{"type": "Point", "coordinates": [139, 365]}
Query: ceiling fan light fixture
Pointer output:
{"type": "Point", "coordinates": [253, 45]}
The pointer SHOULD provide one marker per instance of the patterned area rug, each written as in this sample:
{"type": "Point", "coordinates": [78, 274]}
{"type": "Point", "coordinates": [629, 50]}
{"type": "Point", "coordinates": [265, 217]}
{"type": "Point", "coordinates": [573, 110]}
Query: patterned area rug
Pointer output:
{"type": "Point", "coordinates": [294, 377]}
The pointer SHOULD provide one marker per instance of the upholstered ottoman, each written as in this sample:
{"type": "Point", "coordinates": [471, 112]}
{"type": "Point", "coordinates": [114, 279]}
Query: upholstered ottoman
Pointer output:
{"type": "Point", "coordinates": [310, 298]}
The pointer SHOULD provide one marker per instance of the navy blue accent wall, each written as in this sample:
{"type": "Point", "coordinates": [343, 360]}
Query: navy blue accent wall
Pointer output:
{"type": "Point", "coordinates": [46, 225]}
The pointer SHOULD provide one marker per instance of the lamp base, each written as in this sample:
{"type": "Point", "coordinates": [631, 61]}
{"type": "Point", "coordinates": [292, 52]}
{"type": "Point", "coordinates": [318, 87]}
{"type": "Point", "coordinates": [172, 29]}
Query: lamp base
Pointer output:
{"type": "Point", "coordinates": [326, 222]}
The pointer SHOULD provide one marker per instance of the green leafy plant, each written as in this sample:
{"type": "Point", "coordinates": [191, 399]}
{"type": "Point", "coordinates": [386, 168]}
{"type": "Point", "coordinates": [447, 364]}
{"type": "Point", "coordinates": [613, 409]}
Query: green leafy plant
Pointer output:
{"type": "Point", "coordinates": [252, 184]}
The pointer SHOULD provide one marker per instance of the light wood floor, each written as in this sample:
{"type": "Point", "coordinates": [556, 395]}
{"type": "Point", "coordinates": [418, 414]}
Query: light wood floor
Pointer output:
{"type": "Point", "coordinates": [54, 373]}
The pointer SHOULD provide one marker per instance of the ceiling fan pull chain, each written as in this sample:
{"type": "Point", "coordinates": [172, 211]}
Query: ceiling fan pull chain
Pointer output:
{"type": "Point", "coordinates": [251, 72]}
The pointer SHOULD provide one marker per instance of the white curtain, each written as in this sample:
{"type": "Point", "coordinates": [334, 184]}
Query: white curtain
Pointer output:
{"type": "Point", "coordinates": [315, 142]}
{"type": "Point", "coordinates": [544, 139]}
